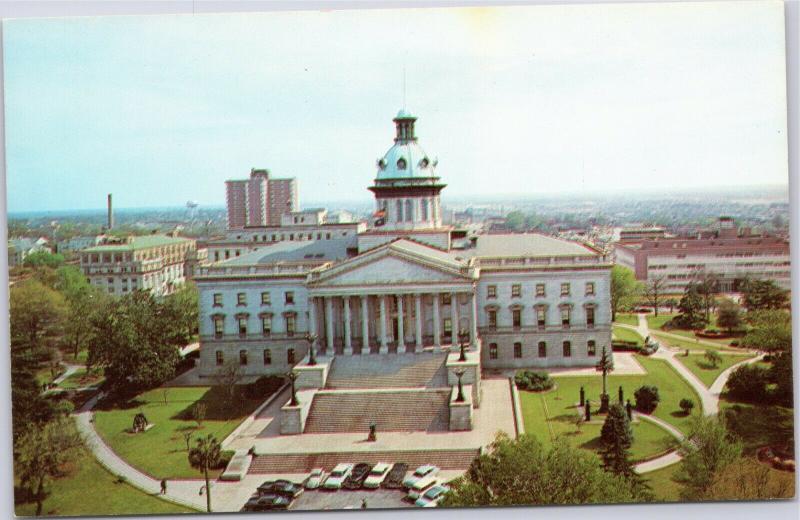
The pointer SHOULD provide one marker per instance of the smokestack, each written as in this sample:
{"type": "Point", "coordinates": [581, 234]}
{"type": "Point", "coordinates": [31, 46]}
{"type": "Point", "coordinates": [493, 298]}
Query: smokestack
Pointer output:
{"type": "Point", "coordinates": [110, 214]}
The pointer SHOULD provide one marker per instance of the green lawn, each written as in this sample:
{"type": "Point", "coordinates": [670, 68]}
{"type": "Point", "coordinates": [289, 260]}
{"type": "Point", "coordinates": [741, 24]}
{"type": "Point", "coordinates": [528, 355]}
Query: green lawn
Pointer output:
{"type": "Point", "coordinates": [662, 482]}
{"type": "Point", "coordinates": [627, 319]}
{"type": "Point", "coordinates": [81, 379]}
{"type": "Point", "coordinates": [758, 424]}
{"type": "Point", "coordinates": [161, 450]}
{"type": "Point", "coordinates": [656, 322]}
{"type": "Point", "coordinates": [690, 344]}
{"type": "Point", "coordinates": [542, 422]}
{"type": "Point", "coordinates": [703, 370]}
{"type": "Point", "coordinates": [88, 489]}
{"type": "Point", "coordinates": [623, 334]}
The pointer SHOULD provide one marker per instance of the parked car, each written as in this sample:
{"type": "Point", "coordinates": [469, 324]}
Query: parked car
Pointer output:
{"type": "Point", "coordinates": [281, 487]}
{"type": "Point", "coordinates": [432, 496]}
{"type": "Point", "coordinates": [266, 502]}
{"type": "Point", "coordinates": [394, 480]}
{"type": "Point", "coordinates": [420, 472]}
{"type": "Point", "coordinates": [377, 475]}
{"type": "Point", "coordinates": [418, 488]}
{"type": "Point", "coordinates": [337, 476]}
{"type": "Point", "coordinates": [357, 477]}
{"type": "Point", "coordinates": [314, 479]}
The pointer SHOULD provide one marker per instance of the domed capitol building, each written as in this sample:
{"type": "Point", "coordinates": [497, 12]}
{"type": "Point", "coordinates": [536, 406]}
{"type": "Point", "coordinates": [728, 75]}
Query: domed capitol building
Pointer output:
{"type": "Point", "coordinates": [387, 309]}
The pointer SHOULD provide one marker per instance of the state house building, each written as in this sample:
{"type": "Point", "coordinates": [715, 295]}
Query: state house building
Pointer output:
{"type": "Point", "coordinates": [407, 284]}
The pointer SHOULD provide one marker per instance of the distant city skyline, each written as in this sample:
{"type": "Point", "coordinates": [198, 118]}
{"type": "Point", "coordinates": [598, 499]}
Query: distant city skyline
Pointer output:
{"type": "Point", "coordinates": [533, 101]}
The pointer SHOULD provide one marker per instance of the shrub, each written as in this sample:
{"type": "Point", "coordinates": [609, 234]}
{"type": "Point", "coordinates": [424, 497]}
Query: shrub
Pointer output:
{"type": "Point", "coordinates": [734, 343]}
{"type": "Point", "coordinates": [64, 407]}
{"type": "Point", "coordinates": [536, 381]}
{"type": "Point", "coordinates": [748, 383]}
{"type": "Point", "coordinates": [713, 358]}
{"type": "Point", "coordinates": [263, 387]}
{"type": "Point", "coordinates": [686, 405]}
{"type": "Point", "coordinates": [225, 457]}
{"type": "Point", "coordinates": [647, 399]}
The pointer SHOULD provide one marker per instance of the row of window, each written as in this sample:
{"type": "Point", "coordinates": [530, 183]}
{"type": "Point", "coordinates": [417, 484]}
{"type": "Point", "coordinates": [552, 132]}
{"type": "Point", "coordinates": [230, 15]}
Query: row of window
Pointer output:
{"type": "Point", "coordinates": [566, 349]}
{"type": "Point", "coordinates": [516, 290]}
{"type": "Point", "coordinates": [266, 357]}
{"type": "Point", "coordinates": [290, 325]}
{"type": "Point", "coordinates": [541, 315]}
{"type": "Point", "coordinates": [266, 298]}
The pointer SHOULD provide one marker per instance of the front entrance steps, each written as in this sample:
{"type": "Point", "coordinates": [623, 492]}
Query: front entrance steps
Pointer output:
{"type": "Point", "coordinates": [390, 410]}
{"type": "Point", "coordinates": [423, 369]}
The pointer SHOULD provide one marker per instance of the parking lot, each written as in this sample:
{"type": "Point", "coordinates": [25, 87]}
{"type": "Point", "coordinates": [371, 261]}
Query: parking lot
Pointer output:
{"type": "Point", "coordinates": [350, 499]}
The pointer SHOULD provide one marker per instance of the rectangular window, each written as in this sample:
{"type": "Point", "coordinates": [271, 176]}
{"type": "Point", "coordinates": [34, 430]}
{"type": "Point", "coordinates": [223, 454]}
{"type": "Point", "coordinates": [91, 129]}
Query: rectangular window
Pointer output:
{"type": "Point", "coordinates": [567, 349]}
{"type": "Point", "coordinates": [516, 290]}
{"type": "Point", "coordinates": [242, 357]}
{"type": "Point", "coordinates": [565, 315]}
{"type": "Point", "coordinates": [589, 288]}
{"type": "Point", "coordinates": [289, 297]}
{"type": "Point", "coordinates": [492, 350]}
{"type": "Point", "coordinates": [217, 299]}
{"type": "Point", "coordinates": [542, 349]}
{"type": "Point", "coordinates": [267, 357]}
{"type": "Point", "coordinates": [241, 299]}
{"type": "Point", "coordinates": [590, 317]}
{"type": "Point", "coordinates": [540, 317]}
{"type": "Point", "coordinates": [220, 357]}
{"type": "Point", "coordinates": [290, 324]}
{"type": "Point", "coordinates": [539, 289]}
{"type": "Point", "coordinates": [516, 318]}
{"type": "Point", "coordinates": [266, 325]}
{"type": "Point", "coordinates": [446, 299]}
{"type": "Point", "coordinates": [517, 350]}
{"type": "Point", "coordinates": [491, 291]}
{"type": "Point", "coordinates": [219, 326]}
{"type": "Point", "coordinates": [565, 289]}
{"type": "Point", "coordinates": [265, 298]}
{"type": "Point", "coordinates": [290, 356]}
{"type": "Point", "coordinates": [242, 326]}
{"type": "Point", "coordinates": [448, 326]}
{"type": "Point", "coordinates": [492, 315]}
{"type": "Point", "coordinates": [591, 348]}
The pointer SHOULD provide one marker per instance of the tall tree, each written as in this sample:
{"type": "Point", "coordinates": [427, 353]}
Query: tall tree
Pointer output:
{"type": "Point", "coordinates": [690, 309]}
{"type": "Point", "coordinates": [204, 456]}
{"type": "Point", "coordinates": [44, 258]}
{"type": "Point", "coordinates": [617, 437]}
{"type": "Point", "coordinates": [227, 377]}
{"type": "Point", "coordinates": [604, 365]}
{"type": "Point", "coordinates": [137, 342]}
{"type": "Point", "coordinates": [184, 306]}
{"type": "Point", "coordinates": [624, 289]}
{"type": "Point", "coordinates": [707, 286]}
{"type": "Point", "coordinates": [763, 294]}
{"type": "Point", "coordinates": [41, 452]}
{"type": "Point", "coordinates": [654, 290]}
{"type": "Point", "coordinates": [522, 471]}
{"type": "Point", "coordinates": [83, 302]}
{"type": "Point", "coordinates": [747, 479]}
{"type": "Point", "coordinates": [729, 315]}
{"type": "Point", "coordinates": [709, 449]}
{"type": "Point", "coordinates": [37, 315]}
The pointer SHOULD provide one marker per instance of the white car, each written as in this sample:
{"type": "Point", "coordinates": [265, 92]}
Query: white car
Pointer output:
{"type": "Point", "coordinates": [315, 478]}
{"type": "Point", "coordinates": [427, 470]}
{"type": "Point", "coordinates": [377, 475]}
{"type": "Point", "coordinates": [421, 486]}
{"type": "Point", "coordinates": [337, 476]}
{"type": "Point", "coordinates": [432, 496]}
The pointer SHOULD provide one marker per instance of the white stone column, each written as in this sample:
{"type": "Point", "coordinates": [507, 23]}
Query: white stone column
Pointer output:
{"type": "Point", "coordinates": [454, 318]}
{"type": "Point", "coordinates": [437, 322]}
{"type": "Point", "coordinates": [365, 324]}
{"type": "Point", "coordinates": [384, 344]}
{"type": "Point", "coordinates": [418, 324]}
{"type": "Point", "coordinates": [348, 345]}
{"type": "Point", "coordinates": [329, 324]}
{"type": "Point", "coordinates": [473, 322]}
{"type": "Point", "coordinates": [401, 331]}
{"type": "Point", "coordinates": [312, 317]}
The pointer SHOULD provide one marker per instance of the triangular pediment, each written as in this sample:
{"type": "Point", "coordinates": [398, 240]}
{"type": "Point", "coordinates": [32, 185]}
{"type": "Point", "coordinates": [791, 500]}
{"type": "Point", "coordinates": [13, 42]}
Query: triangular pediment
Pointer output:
{"type": "Point", "coordinates": [400, 262]}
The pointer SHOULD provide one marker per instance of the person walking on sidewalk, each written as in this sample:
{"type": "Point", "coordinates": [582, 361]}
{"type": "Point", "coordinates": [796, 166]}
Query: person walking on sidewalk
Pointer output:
{"type": "Point", "coordinates": [163, 486]}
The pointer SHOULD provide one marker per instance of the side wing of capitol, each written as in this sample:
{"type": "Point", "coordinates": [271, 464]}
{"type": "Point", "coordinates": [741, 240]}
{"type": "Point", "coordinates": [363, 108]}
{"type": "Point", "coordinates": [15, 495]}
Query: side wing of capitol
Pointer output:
{"type": "Point", "coordinates": [406, 286]}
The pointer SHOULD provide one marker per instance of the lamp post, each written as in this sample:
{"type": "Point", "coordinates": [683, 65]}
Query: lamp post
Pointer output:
{"type": "Point", "coordinates": [292, 377]}
{"type": "Point", "coordinates": [459, 374]}
{"type": "Point", "coordinates": [312, 339]}
{"type": "Point", "coordinates": [463, 357]}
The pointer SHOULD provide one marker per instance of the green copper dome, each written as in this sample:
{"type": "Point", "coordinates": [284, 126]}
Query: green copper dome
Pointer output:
{"type": "Point", "coordinates": [406, 159]}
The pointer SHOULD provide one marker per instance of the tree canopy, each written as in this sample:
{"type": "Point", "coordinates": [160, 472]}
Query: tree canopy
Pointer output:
{"type": "Point", "coordinates": [624, 290]}
{"type": "Point", "coordinates": [763, 294]}
{"type": "Point", "coordinates": [708, 450]}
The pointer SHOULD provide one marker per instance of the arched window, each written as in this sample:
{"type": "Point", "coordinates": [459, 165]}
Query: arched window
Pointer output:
{"type": "Point", "coordinates": [409, 210]}
{"type": "Point", "coordinates": [591, 348]}
{"type": "Point", "coordinates": [399, 210]}
{"type": "Point", "coordinates": [423, 209]}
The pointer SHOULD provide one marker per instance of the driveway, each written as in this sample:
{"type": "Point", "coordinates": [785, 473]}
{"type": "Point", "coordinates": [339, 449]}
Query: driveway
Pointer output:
{"type": "Point", "coordinates": [347, 499]}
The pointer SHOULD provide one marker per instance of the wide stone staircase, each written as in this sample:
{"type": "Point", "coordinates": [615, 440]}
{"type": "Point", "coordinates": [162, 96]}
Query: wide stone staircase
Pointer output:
{"type": "Point", "coordinates": [456, 459]}
{"type": "Point", "coordinates": [424, 369]}
{"type": "Point", "coordinates": [390, 410]}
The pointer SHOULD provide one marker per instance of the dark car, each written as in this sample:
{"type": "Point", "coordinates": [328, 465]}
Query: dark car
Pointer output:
{"type": "Point", "coordinates": [266, 502]}
{"type": "Point", "coordinates": [281, 487]}
{"type": "Point", "coordinates": [357, 476]}
{"type": "Point", "coordinates": [394, 480]}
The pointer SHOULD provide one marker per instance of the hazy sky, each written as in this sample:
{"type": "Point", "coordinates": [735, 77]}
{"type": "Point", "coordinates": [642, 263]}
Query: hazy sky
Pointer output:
{"type": "Point", "coordinates": [159, 110]}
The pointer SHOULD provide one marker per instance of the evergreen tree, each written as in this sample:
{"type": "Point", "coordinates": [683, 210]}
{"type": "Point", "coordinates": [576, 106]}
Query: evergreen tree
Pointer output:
{"type": "Point", "coordinates": [617, 437]}
{"type": "Point", "coordinates": [691, 309]}
{"type": "Point", "coordinates": [763, 294]}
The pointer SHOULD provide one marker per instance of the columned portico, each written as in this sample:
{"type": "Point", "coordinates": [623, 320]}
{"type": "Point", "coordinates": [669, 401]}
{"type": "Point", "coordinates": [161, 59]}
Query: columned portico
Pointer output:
{"type": "Point", "coordinates": [364, 325]}
{"type": "Point", "coordinates": [348, 340]}
{"type": "Point", "coordinates": [418, 322]}
{"type": "Point", "coordinates": [437, 323]}
{"type": "Point", "coordinates": [329, 323]}
{"type": "Point", "coordinates": [401, 335]}
{"type": "Point", "coordinates": [382, 325]}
